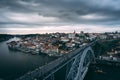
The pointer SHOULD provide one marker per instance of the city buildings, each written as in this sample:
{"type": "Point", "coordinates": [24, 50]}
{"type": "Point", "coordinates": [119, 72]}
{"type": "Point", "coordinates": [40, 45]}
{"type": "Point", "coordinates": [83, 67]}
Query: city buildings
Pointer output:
{"type": "Point", "coordinates": [57, 44]}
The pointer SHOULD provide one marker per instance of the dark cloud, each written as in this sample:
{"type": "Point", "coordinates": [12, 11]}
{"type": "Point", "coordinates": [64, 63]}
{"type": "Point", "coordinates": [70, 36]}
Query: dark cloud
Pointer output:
{"type": "Point", "coordinates": [59, 12]}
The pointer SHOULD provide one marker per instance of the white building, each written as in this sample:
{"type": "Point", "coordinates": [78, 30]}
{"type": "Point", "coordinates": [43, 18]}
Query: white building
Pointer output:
{"type": "Point", "coordinates": [71, 36]}
{"type": "Point", "coordinates": [103, 36]}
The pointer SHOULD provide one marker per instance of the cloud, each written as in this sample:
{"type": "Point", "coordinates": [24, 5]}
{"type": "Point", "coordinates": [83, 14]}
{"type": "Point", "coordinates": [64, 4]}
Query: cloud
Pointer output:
{"type": "Point", "coordinates": [30, 18]}
{"type": "Point", "coordinates": [62, 29]}
{"type": "Point", "coordinates": [58, 13]}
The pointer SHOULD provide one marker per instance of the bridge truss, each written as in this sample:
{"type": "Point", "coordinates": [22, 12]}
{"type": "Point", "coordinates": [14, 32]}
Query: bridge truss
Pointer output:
{"type": "Point", "coordinates": [75, 66]}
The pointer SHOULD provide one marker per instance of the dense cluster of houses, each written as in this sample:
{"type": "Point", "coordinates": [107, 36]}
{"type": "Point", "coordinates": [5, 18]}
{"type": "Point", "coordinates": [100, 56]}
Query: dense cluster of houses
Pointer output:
{"type": "Point", "coordinates": [113, 55]}
{"type": "Point", "coordinates": [57, 44]}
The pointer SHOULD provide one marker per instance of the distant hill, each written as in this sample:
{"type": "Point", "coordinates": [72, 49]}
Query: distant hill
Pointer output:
{"type": "Point", "coordinates": [4, 37]}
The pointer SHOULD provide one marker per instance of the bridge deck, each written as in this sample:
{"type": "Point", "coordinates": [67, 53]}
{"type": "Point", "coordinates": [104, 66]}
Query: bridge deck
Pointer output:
{"type": "Point", "coordinates": [46, 69]}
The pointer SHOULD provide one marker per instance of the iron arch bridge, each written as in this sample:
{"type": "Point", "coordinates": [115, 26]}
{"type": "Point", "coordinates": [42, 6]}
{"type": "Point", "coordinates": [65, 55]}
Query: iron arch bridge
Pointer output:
{"type": "Point", "coordinates": [72, 66]}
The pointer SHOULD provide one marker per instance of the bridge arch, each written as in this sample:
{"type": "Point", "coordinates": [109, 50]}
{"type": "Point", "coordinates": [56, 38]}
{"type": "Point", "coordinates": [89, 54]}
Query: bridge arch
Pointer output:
{"type": "Point", "coordinates": [80, 64]}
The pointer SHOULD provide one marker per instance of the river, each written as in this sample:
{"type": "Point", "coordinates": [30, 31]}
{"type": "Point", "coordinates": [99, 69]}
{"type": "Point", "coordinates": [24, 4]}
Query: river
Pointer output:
{"type": "Point", "coordinates": [103, 72]}
{"type": "Point", "coordinates": [14, 64]}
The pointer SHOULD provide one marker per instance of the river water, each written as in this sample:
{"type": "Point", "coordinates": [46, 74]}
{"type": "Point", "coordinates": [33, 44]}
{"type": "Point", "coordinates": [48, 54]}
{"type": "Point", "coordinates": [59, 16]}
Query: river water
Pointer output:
{"type": "Point", "coordinates": [103, 72]}
{"type": "Point", "coordinates": [14, 64]}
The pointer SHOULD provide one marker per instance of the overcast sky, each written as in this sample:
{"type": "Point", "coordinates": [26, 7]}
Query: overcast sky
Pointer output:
{"type": "Point", "coordinates": [41, 16]}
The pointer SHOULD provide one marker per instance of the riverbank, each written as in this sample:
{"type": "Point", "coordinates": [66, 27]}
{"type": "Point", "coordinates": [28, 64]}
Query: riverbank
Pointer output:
{"type": "Point", "coordinates": [14, 64]}
{"type": "Point", "coordinates": [108, 69]}
{"type": "Point", "coordinates": [5, 37]}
